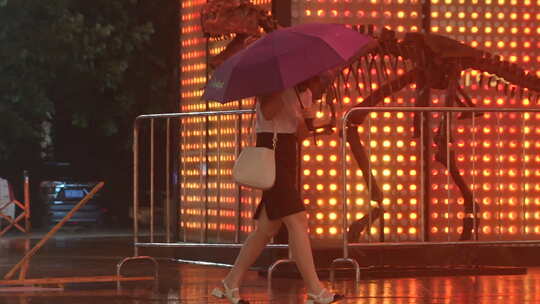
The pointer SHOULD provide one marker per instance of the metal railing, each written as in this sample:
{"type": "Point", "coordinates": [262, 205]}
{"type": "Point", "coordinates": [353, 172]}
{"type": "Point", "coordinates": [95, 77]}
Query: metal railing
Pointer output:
{"type": "Point", "coordinates": [153, 192]}
{"type": "Point", "coordinates": [424, 221]}
{"type": "Point", "coordinates": [200, 175]}
{"type": "Point", "coordinates": [168, 238]}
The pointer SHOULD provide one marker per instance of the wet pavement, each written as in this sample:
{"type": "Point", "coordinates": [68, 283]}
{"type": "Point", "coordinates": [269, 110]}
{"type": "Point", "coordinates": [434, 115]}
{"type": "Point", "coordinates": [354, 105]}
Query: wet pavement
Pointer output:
{"type": "Point", "coordinates": [72, 255]}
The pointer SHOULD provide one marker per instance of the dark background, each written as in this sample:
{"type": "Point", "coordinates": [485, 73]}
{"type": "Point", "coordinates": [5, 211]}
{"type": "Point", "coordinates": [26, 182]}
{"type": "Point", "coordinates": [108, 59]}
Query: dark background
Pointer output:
{"type": "Point", "coordinates": [87, 68]}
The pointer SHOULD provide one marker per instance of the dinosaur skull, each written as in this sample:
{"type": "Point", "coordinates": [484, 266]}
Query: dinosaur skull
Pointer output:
{"type": "Point", "coordinates": [225, 17]}
{"type": "Point", "coordinates": [238, 19]}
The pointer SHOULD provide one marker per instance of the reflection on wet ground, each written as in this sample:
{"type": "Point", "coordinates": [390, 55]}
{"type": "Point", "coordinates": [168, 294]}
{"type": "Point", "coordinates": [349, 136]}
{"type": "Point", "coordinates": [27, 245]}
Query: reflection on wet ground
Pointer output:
{"type": "Point", "coordinates": [181, 283]}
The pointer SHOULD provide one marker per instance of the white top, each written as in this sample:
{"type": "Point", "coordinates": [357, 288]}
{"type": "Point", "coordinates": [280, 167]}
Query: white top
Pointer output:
{"type": "Point", "coordinates": [287, 119]}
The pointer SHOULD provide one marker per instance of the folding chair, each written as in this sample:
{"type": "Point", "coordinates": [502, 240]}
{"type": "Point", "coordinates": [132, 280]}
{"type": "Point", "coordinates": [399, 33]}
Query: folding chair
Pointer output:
{"type": "Point", "coordinates": [8, 203]}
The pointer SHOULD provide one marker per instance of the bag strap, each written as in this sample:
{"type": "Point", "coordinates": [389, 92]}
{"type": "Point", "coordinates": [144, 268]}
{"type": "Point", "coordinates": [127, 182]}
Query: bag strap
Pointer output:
{"type": "Point", "coordinates": [274, 139]}
{"type": "Point", "coordinates": [299, 98]}
{"type": "Point", "coordinates": [252, 121]}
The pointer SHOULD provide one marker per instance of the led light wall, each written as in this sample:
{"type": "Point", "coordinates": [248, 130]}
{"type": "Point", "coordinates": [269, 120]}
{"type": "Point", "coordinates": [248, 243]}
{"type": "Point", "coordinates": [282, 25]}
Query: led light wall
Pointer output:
{"type": "Point", "coordinates": [209, 198]}
{"type": "Point", "coordinates": [496, 156]}
{"type": "Point", "coordinates": [495, 169]}
{"type": "Point", "coordinates": [193, 130]}
{"type": "Point", "coordinates": [386, 136]}
{"type": "Point", "coordinates": [495, 153]}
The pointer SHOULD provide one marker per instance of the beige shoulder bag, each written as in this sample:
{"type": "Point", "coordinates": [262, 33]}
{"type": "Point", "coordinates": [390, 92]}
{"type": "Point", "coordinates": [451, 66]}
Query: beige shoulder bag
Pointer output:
{"type": "Point", "coordinates": [255, 167]}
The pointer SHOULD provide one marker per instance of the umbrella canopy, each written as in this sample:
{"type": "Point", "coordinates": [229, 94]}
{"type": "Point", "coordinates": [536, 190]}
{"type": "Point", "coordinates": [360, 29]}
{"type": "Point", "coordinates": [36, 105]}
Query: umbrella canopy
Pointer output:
{"type": "Point", "coordinates": [283, 59]}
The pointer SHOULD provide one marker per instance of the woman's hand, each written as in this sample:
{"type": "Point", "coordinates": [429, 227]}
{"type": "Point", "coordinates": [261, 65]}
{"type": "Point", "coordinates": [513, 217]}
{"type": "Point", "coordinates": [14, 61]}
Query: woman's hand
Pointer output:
{"type": "Point", "coordinates": [308, 113]}
{"type": "Point", "coordinates": [305, 124]}
{"type": "Point", "coordinates": [303, 131]}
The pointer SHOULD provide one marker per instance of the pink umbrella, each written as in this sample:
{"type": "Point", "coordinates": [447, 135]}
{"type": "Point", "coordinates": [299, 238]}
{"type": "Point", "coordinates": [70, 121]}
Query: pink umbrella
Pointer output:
{"type": "Point", "coordinates": [283, 59]}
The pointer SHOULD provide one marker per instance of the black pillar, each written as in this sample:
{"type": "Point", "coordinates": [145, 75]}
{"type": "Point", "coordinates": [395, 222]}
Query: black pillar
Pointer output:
{"type": "Point", "coordinates": [281, 10]}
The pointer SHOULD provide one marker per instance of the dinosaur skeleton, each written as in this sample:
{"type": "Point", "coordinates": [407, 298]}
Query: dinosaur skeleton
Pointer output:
{"type": "Point", "coordinates": [434, 62]}
{"type": "Point", "coordinates": [427, 60]}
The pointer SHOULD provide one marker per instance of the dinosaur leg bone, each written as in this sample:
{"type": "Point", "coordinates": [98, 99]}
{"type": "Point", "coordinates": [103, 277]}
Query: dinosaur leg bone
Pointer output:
{"type": "Point", "coordinates": [448, 159]}
{"type": "Point", "coordinates": [359, 153]}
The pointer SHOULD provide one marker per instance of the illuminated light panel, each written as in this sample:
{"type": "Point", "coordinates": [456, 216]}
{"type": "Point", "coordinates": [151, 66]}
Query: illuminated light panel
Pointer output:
{"type": "Point", "coordinates": [392, 157]}
{"type": "Point", "coordinates": [506, 28]}
{"type": "Point", "coordinates": [199, 158]}
{"type": "Point", "coordinates": [499, 155]}
{"type": "Point", "coordinates": [494, 163]}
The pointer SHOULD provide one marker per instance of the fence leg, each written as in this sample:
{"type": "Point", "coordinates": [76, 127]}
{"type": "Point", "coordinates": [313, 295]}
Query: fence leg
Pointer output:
{"type": "Point", "coordinates": [27, 224]}
{"type": "Point", "coordinates": [124, 261]}
{"type": "Point", "coordinates": [274, 265]}
{"type": "Point", "coordinates": [347, 260]}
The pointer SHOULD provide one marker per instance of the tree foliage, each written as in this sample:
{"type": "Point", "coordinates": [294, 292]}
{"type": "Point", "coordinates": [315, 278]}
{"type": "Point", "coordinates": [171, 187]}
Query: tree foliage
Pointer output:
{"type": "Point", "coordinates": [86, 69]}
{"type": "Point", "coordinates": [65, 59]}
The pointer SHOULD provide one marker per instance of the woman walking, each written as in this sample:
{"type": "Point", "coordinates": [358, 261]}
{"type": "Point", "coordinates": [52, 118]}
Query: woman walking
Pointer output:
{"type": "Point", "coordinates": [286, 111]}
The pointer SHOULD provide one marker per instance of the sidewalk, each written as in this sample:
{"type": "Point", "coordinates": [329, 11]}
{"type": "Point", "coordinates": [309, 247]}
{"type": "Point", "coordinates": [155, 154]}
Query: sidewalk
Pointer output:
{"type": "Point", "coordinates": [71, 233]}
{"type": "Point", "coordinates": [95, 254]}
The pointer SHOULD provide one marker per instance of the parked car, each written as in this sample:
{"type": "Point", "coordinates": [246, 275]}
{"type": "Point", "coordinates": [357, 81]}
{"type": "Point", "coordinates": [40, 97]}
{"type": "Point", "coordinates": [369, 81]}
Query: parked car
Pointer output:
{"type": "Point", "coordinates": [61, 196]}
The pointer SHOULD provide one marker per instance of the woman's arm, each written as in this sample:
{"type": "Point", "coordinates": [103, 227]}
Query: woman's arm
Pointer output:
{"type": "Point", "coordinates": [271, 105]}
{"type": "Point", "coordinates": [307, 113]}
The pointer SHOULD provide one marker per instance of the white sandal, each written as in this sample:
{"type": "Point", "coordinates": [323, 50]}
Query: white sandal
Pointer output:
{"type": "Point", "coordinates": [320, 299]}
{"type": "Point", "coordinates": [228, 294]}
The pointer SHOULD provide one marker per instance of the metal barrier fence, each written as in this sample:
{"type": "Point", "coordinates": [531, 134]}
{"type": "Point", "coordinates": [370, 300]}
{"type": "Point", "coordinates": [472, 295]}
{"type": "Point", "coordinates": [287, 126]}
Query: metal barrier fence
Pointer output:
{"type": "Point", "coordinates": [169, 235]}
{"type": "Point", "coordinates": [445, 130]}
{"type": "Point", "coordinates": [155, 194]}
{"type": "Point", "coordinates": [210, 209]}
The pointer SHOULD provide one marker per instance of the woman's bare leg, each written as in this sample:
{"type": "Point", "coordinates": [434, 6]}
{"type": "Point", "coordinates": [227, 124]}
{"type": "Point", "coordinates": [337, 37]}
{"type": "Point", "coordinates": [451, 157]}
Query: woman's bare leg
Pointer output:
{"type": "Point", "coordinates": [300, 247]}
{"type": "Point", "coordinates": [252, 248]}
